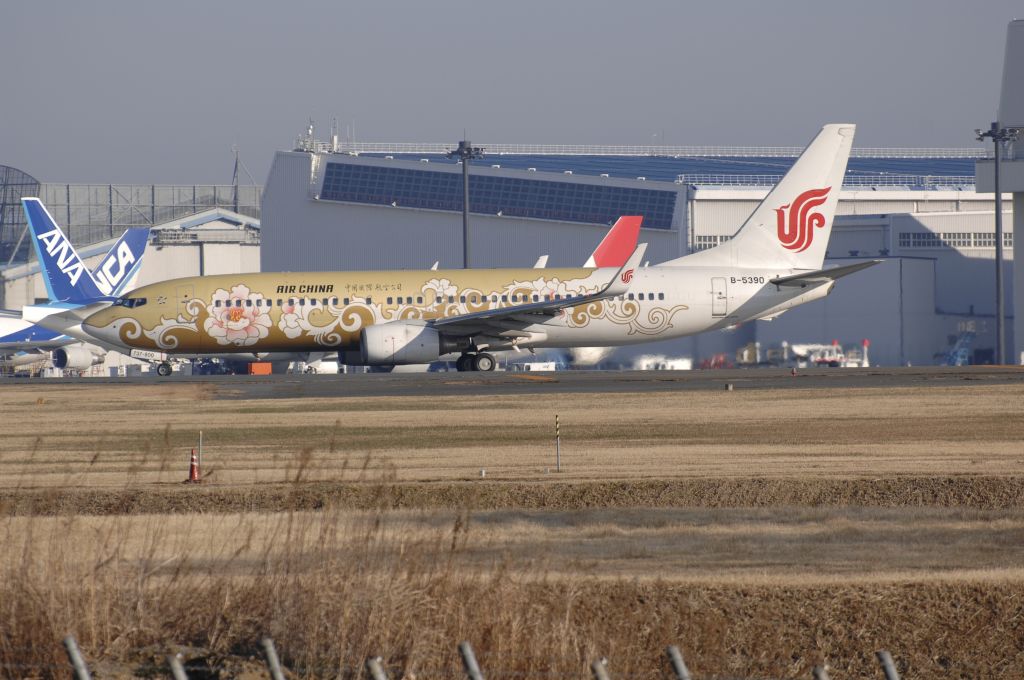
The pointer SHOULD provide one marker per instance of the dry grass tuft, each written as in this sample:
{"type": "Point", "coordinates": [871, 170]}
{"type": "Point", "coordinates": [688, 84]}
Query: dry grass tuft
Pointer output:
{"type": "Point", "coordinates": [333, 588]}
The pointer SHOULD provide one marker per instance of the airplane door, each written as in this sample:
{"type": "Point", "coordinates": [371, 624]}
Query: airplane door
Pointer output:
{"type": "Point", "coordinates": [184, 295]}
{"type": "Point", "coordinates": [719, 297]}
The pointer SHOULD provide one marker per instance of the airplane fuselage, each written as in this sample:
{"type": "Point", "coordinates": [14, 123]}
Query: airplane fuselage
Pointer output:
{"type": "Point", "coordinates": [324, 311]}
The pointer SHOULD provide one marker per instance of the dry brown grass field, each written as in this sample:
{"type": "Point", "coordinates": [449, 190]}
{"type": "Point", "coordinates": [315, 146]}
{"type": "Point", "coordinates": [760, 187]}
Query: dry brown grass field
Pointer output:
{"type": "Point", "coordinates": [762, 531]}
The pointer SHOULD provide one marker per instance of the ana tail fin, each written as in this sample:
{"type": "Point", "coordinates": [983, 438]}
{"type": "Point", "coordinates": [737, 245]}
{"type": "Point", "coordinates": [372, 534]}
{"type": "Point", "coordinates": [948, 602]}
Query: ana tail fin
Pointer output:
{"type": "Point", "coordinates": [66, 277]}
{"type": "Point", "coordinates": [114, 274]}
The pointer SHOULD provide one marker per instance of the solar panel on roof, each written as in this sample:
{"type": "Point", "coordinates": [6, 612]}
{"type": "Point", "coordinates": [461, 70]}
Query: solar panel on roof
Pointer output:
{"type": "Point", "coordinates": [489, 195]}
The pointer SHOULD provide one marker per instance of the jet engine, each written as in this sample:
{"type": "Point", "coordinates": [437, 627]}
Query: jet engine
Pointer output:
{"type": "Point", "coordinates": [401, 342]}
{"type": "Point", "coordinates": [75, 357]}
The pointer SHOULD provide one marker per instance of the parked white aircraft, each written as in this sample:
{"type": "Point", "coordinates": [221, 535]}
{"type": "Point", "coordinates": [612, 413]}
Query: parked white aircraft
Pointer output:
{"type": "Point", "coordinates": [400, 317]}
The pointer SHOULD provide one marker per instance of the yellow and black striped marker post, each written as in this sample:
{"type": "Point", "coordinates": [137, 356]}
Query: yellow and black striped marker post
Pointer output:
{"type": "Point", "coordinates": [558, 447]}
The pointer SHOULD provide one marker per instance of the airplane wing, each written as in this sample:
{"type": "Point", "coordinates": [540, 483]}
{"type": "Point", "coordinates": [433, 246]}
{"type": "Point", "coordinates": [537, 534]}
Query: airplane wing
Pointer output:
{"type": "Point", "coordinates": [506, 319]}
{"type": "Point", "coordinates": [804, 279]}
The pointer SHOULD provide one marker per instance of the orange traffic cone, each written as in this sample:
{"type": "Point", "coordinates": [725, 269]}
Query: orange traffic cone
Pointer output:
{"type": "Point", "coordinates": [193, 468]}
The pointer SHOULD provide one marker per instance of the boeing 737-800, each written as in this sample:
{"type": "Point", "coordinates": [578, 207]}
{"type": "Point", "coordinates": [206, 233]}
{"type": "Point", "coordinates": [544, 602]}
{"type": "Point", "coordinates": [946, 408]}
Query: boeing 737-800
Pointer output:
{"type": "Point", "coordinates": [773, 263]}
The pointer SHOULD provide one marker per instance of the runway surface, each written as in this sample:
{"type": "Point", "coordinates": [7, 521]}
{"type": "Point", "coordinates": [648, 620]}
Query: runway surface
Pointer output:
{"type": "Point", "coordinates": [473, 384]}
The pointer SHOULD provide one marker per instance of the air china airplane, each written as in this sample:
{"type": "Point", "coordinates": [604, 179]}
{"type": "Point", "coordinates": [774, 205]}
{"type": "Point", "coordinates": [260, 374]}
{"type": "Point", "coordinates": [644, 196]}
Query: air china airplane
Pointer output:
{"type": "Point", "coordinates": [382, 318]}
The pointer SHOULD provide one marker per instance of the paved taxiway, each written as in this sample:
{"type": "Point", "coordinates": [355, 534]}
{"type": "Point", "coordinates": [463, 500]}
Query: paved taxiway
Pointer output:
{"type": "Point", "coordinates": [473, 384]}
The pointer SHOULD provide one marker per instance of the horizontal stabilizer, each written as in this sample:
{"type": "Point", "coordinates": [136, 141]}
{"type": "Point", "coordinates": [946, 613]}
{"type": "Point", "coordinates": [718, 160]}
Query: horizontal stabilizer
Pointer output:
{"type": "Point", "coordinates": [822, 275]}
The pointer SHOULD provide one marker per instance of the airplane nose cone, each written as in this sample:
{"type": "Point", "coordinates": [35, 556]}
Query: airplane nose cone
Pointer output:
{"type": "Point", "coordinates": [105, 326]}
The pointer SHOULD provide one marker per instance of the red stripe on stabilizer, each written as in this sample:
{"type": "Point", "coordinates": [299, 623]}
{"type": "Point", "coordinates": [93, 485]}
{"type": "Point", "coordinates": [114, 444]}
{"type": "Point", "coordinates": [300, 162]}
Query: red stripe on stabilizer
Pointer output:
{"type": "Point", "coordinates": [619, 243]}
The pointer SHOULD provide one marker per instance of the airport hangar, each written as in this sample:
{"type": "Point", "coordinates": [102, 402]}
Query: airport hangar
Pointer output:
{"type": "Point", "coordinates": [371, 206]}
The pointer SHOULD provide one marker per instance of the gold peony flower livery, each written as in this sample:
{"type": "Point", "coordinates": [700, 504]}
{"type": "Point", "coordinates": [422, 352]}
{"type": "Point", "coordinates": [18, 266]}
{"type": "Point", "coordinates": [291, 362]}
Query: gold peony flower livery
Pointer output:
{"type": "Point", "coordinates": [237, 320]}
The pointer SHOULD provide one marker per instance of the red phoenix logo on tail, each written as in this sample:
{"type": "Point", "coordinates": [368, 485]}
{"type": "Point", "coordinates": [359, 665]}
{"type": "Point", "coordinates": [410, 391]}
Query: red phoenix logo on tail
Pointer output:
{"type": "Point", "coordinates": [796, 229]}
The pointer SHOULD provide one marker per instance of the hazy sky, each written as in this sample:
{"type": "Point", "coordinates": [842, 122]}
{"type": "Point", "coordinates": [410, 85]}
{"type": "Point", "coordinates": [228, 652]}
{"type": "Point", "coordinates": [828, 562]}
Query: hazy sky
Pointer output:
{"type": "Point", "coordinates": [158, 92]}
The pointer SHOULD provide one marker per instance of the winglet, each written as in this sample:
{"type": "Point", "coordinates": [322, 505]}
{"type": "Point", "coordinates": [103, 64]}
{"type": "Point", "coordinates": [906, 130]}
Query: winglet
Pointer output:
{"type": "Point", "coordinates": [620, 282]}
{"type": "Point", "coordinates": [618, 243]}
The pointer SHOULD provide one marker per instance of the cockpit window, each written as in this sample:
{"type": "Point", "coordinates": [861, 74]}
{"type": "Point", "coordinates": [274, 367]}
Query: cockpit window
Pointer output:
{"type": "Point", "coordinates": [130, 303]}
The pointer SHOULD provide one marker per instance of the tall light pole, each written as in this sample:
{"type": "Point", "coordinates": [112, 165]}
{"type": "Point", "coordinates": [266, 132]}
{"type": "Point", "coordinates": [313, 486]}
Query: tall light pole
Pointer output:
{"type": "Point", "coordinates": [998, 135]}
{"type": "Point", "coordinates": [465, 152]}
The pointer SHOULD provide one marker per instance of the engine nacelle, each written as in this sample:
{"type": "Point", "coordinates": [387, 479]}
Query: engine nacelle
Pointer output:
{"type": "Point", "coordinates": [400, 342]}
{"type": "Point", "coordinates": [75, 357]}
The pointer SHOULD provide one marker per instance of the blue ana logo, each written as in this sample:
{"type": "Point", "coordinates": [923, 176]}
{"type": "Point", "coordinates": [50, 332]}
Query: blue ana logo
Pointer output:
{"type": "Point", "coordinates": [64, 255]}
{"type": "Point", "coordinates": [106, 278]}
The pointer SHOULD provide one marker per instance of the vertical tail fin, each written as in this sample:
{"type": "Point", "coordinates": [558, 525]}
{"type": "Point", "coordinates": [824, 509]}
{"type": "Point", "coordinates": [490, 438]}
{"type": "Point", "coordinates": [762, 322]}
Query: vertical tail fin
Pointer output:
{"type": "Point", "coordinates": [121, 264]}
{"type": "Point", "coordinates": [66, 277]}
{"type": "Point", "coordinates": [790, 228]}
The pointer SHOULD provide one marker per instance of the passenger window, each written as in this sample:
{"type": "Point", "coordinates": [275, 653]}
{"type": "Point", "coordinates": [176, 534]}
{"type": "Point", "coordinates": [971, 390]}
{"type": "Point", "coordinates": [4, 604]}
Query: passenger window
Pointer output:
{"type": "Point", "coordinates": [462, 298]}
{"type": "Point", "coordinates": [369, 300]}
{"type": "Point", "coordinates": [451, 298]}
{"type": "Point", "coordinates": [536, 298]}
{"type": "Point", "coordinates": [494, 298]}
{"type": "Point", "coordinates": [504, 298]}
{"type": "Point", "coordinates": [630, 296]}
{"type": "Point", "coordinates": [419, 300]}
{"type": "Point", "coordinates": [302, 302]}
{"type": "Point", "coordinates": [216, 303]}
{"type": "Point", "coordinates": [345, 302]}
{"type": "Point", "coordinates": [390, 301]}
{"type": "Point", "coordinates": [640, 296]}
{"type": "Point", "coordinates": [326, 301]}
{"type": "Point", "coordinates": [238, 303]}
{"type": "Point", "coordinates": [248, 303]}
{"type": "Point", "coordinates": [661, 296]}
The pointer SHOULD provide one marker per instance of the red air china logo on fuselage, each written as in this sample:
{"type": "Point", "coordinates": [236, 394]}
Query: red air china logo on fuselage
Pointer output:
{"type": "Point", "coordinates": [627, 276]}
{"type": "Point", "coordinates": [796, 221]}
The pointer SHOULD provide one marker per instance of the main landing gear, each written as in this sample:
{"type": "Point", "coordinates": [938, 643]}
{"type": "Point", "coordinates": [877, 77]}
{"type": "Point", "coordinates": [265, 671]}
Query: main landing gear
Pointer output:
{"type": "Point", "coordinates": [481, 361]}
{"type": "Point", "coordinates": [163, 369]}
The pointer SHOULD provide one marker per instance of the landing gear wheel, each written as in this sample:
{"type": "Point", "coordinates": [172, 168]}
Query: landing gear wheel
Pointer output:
{"type": "Point", "coordinates": [483, 362]}
{"type": "Point", "coordinates": [163, 369]}
{"type": "Point", "coordinates": [464, 363]}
